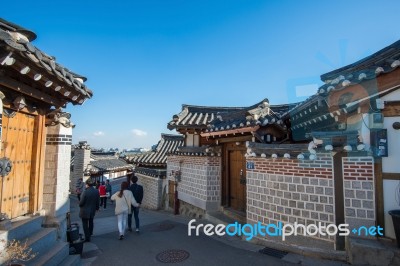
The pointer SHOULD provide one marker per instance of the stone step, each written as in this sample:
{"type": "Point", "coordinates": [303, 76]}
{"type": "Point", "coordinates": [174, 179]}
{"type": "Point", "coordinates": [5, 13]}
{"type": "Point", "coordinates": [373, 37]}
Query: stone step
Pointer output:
{"type": "Point", "coordinates": [43, 240]}
{"type": "Point", "coordinates": [218, 217]}
{"type": "Point", "coordinates": [72, 260]}
{"type": "Point", "coordinates": [22, 228]}
{"type": "Point", "coordinates": [372, 252]}
{"type": "Point", "coordinates": [53, 256]}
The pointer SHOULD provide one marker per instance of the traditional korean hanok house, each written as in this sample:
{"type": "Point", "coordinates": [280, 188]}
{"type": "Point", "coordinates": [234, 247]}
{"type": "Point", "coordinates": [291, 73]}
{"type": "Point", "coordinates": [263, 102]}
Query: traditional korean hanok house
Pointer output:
{"type": "Point", "coordinates": [99, 166]}
{"type": "Point", "coordinates": [151, 170]}
{"type": "Point", "coordinates": [211, 167]}
{"type": "Point", "coordinates": [35, 143]}
{"type": "Point", "coordinates": [349, 174]}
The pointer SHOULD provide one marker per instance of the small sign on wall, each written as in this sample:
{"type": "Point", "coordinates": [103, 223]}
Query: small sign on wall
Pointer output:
{"type": "Point", "coordinates": [250, 165]}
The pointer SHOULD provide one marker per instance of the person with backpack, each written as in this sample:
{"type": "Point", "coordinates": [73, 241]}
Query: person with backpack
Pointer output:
{"type": "Point", "coordinates": [137, 191]}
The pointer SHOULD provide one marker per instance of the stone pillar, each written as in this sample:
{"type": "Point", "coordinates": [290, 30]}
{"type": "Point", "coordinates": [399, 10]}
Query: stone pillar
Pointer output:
{"type": "Point", "coordinates": [56, 174]}
{"type": "Point", "coordinates": [81, 161]}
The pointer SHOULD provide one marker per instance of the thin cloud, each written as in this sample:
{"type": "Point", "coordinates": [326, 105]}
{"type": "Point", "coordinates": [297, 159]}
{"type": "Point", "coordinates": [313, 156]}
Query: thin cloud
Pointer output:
{"type": "Point", "coordinates": [98, 133]}
{"type": "Point", "coordinates": [139, 133]}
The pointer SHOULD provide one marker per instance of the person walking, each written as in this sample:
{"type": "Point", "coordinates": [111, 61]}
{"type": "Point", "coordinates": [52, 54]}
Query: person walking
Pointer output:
{"type": "Point", "coordinates": [137, 191]}
{"type": "Point", "coordinates": [123, 201]}
{"type": "Point", "coordinates": [103, 195]}
{"type": "Point", "coordinates": [89, 204]}
{"type": "Point", "coordinates": [108, 189]}
{"type": "Point", "coordinates": [79, 188]}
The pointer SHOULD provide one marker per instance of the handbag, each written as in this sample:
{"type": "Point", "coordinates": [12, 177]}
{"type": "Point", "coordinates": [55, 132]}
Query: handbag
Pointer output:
{"type": "Point", "coordinates": [107, 194]}
{"type": "Point", "coordinates": [129, 206]}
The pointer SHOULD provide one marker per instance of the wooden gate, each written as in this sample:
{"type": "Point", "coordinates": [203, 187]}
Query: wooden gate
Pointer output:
{"type": "Point", "coordinates": [17, 143]}
{"type": "Point", "coordinates": [237, 180]}
{"type": "Point", "coordinates": [171, 193]}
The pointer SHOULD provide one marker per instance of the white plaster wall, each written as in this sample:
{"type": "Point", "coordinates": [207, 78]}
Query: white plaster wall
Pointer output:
{"type": "Point", "coordinates": [394, 96]}
{"type": "Point", "coordinates": [391, 164]}
{"type": "Point", "coordinates": [389, 193]}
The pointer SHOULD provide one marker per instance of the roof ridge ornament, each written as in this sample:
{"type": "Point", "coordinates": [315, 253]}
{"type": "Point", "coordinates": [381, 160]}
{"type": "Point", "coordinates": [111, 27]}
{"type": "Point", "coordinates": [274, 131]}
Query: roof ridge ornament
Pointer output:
{"type": "Point", "coordinates": [56, 117]}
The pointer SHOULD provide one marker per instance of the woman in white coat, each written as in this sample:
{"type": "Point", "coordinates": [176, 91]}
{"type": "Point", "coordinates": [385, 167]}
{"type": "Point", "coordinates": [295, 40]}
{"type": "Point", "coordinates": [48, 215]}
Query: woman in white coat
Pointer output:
{"type": "Point", "coordinates": [123, 201]}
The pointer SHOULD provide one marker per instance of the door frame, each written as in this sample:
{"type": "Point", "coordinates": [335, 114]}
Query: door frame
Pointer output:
{"type": "Point", "coordinates": [225, 187]}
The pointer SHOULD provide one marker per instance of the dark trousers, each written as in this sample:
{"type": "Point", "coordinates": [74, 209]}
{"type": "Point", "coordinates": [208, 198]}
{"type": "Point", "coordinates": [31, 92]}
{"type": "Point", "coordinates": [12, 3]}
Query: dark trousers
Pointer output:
{"type": "Point", "coordinates": [103, 202]}
{"type": "Point", "coordinates": [136, 216]}
{"type": "Point", "coordinates": [87, 225]}
{"type": "Point", "coordinates": [79, 196]}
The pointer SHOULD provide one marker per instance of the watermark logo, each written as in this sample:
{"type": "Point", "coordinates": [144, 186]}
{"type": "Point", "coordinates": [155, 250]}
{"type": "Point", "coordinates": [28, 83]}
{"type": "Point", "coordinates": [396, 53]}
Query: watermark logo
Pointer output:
{"type": "Point", "coordinates": [279, 230]}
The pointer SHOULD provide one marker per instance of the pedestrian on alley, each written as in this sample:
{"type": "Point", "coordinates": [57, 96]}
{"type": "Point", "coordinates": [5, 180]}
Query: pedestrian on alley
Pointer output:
{"type": "Point", "coordinates": [123, 201]}
{"type": "Point", "coordinates": [89, 204]}
{"type": "Point", "coordinates": [108, 189]}
{"type": "Point", "coordinates": [79, 188]}
{"type": "Point", "coordinates": [137, 191]}
{"type": "Point", "coordinates": [103, 195]}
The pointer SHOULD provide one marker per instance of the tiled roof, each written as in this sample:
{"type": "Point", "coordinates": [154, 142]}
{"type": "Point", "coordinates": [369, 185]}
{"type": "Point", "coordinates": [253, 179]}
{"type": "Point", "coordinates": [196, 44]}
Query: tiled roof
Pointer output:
{"type": "Point", "coordinates": [383, 61]}
{"type": "Point", "coordinates": [18, 53]}
{"type": "Point", "coordinates": [160, 173]}
{"type": "Point", "coordinates": [316, 108]}
{"type": "Point", "coordinates": [209, 119]}
{"type": "Point", "coordinates": [198, 151]}
{"type": "Point", "coordinates": [167, 144]}
{"type": "Point", "coordinates": [110, 165]}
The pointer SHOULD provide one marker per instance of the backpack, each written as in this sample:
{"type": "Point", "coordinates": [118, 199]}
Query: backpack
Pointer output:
{"type": "Point", "coordinates": [137, 191]}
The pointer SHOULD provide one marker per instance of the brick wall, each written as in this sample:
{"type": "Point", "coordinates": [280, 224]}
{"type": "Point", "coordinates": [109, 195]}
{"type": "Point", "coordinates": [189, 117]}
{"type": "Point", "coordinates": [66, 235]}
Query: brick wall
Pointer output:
{"type": "Point", "coordinates": [290, 190]}
{"type": "Point", "coordinates": [200, 180]}
{"type": "Point", "coordinates": [152, 191]}
{"type": "Point", "coordinates": [359, 191]}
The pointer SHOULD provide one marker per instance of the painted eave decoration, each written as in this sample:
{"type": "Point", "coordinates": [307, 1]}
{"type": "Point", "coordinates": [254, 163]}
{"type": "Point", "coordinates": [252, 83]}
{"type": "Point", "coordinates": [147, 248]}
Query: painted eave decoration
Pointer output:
{"type": "Point", "coordinates": [55, 84]}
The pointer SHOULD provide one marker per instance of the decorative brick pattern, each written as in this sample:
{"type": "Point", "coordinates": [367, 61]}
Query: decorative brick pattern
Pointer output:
{"type": "Point", "coordinates": [319, 168]}
{"type": "Point", "coordinates": [152, 191]}
{"type": "Point", "coordinates": [290, 190]}
{"type": "Point", "coordinates": [359, 191]}
{"type": "Point", "coordinates": [58, 139]}
{"type": "Point", "coordinates": [199, 182]}
{"type": "Point", "coordinates": [278, 198]}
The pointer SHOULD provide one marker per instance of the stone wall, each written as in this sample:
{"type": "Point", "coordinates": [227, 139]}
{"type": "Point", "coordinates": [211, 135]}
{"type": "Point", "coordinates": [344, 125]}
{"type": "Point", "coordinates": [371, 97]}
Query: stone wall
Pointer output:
{"type": "Point", "coordinates": [153, 188]}
{"type": "Point", "coordinates": [81, 160]}
{"type": "Point", "coordinates": [290, 190]}
{"type": "Point", "coordinates": [200, 180]}
{"type": "Point", "coordinates": [359, 191]}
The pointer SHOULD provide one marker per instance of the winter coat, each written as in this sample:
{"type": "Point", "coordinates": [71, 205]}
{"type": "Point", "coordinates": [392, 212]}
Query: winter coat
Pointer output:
{"type": "Point", "coordinates": [123, 204]}
{"type": "Point", "coordinates": [89, 203]}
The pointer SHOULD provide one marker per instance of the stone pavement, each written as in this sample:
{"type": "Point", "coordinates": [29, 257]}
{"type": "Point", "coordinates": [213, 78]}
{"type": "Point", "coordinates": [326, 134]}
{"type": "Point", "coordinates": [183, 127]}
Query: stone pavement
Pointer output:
{"type": "Point", "coordinates": [162, 231]}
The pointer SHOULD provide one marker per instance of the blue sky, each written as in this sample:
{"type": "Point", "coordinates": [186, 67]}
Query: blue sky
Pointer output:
{"type": "Point", "coordinates": [144, 59]}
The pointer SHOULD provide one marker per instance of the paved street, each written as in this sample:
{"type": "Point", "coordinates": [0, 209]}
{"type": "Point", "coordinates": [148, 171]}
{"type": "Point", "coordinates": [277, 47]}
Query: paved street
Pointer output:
{"type": "Point", "coordinates": [162, 231]}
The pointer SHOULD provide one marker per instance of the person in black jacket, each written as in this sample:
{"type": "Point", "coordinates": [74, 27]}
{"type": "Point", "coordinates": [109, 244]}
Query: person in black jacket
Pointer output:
{"type": "Point", "coordinates": [88, 204]}
{"type": "Point", "coordinates": [137, 191]}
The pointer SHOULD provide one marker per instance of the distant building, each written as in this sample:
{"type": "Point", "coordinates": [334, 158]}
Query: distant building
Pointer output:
{"type": "Point", "coordinates": [151, 169]}
{"type": "Point", "coordinates": [95, 165]}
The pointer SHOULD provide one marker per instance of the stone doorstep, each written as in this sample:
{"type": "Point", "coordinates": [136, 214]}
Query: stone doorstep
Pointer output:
{"type": "Point", "coordinates": [323, 253]}
{"type": "Point", "coordinates": [319, 253]}
{"type": "Point", "coordinates": [373, 251]}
